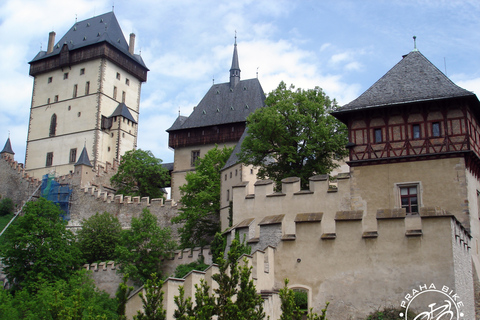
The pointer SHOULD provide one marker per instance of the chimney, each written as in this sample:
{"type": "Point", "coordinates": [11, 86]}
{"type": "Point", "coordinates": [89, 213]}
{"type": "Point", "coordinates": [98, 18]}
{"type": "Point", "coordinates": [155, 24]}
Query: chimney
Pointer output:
{"type": "Point", "coordinates": [51, 41]}
{"type": "Point", "coordinates": [131, 45]}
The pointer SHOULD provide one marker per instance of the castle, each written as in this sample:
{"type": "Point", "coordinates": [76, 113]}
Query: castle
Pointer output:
{"type": "Point", "coordinates": [404, 216]}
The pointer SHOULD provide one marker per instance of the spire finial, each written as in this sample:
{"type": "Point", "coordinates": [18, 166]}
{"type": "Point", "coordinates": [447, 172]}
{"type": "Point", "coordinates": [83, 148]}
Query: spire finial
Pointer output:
{"type": "Point", "coordinates": [415, 43]}
{"type": "Point", "coordinates": [75, 18]}
{"type": "Point", "coordinates": [235, 37]}
{"type": "Point", "coordinates": [179, 111]}
{"type": "Point", "coordinates": [213, 79]}
{"type": "Point", "coordinates": [257, 72]}
{"type": "Point", "coordinates": [8, 134]}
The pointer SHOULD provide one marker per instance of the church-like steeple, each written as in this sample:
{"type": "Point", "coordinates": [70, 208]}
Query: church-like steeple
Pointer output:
{"type": "Point", "coordinates": [235, 69]}
{"type": "Point", "coordinates": [7, 149]}
{"type": "Point", "coordinates": [83, 159]}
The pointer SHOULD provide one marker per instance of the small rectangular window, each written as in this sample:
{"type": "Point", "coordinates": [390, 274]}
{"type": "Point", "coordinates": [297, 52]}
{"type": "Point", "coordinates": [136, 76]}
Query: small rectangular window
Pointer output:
{"type": "Point", "coordinates": [49, 160]}
{"type": "Point", "coordinates": [436, 129]}
{"type": "Point", "coordinates": [118, 75]}
{"type": "Point", "coordinates": [82, 71]}
{"type": "Point", "coordinates": [378, 135]}
{"type": "Point", "coordinates": [195, 157]}
{"type": "Point", "coordinates": [416, 131]}
{"type": "Point", "coordinates": [73, 155]}
{"type": "Point", "coordinates": [50, 79]}
{"type": "Point", "coordinates": [127, 81]}
{"type": "Point", "coordinates": [65, 76]}
{"type": "Point", "coordinates": [55, 98]}
{"type": "Point", "coordinates": [409, 198]}
{"type": "Point", "coordinates": [48, 100]}
{"type": "Point", "coordinates": [123, 96]}
{"type": "Point", "coordinates": [75, 89]}
{"type": "Point", "coordinates": [228, 195]}
{"type": "Point", "coordinates": [87, 87]}
{"type": "Point", "coordinates": [115, 93]}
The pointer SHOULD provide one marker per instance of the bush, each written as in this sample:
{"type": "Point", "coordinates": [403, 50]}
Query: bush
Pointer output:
{"type": "Point", "coordinates": [6, 207]}
{"type": "Point", "coordinates": [183, 269]}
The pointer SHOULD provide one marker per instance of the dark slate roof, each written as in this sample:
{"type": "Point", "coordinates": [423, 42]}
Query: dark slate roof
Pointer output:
{"type": "Point", "coordinates": [122, 110]}
{"type": "Point", "coordinates": [233, 160]}
{"type": "Point", "coordinates": [8, 147]}
{"type": "Point", "coordinates": [102, 28]}
{"type": "Point", "coordinates": [83, 159]}
{"type": "Point", "coordinates": [168, 166]}
{"type": "Point", "coordinates": [413, 79]}
{"type": "Point", "coordinates": [223, 104]}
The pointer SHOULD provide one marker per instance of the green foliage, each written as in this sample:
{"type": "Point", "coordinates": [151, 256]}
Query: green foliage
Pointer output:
{"type": "Point", "coordinates": [200, 211]}
{"type": "Point", "coordinates": [217, 247]}
{"type": "Point", "coordinates": [6, 207]}
{"type": "Point", "coordinates": [233, 280]}
{"type": "Point", "coordinates": [143, 247]}
{"type": "Point", "coordinates": [301, 299]}
{"type": "Point", "coordinates": [38, 246]}
{"type": "Point", "coordinates": [313, 316]}
{"type": "Point", "coordinates": [75, 298]}
{"type": "Point", "coordinates": [390, 313]}
{"type": "Point", "coordinates": [297, 132]}
{"type": "Point", "coordinates": [121, 296]}
{"type": "Point", "coordinates": [4, 220]}
{"type": "Point", "coordinates": [140, 174]}
{"type": "Point", "coordinates": [98, 237]}
{"type": "Point", "coordinates": [152, 301]}
{"type": "Point", "coordinates": [289, 309]}
{"type": "Point", "coordinates": [183, 269]}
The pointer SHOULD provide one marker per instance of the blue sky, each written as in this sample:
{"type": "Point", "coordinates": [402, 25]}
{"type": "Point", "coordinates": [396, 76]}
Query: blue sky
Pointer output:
{"type": "Point", "coordinates": [340, 46]}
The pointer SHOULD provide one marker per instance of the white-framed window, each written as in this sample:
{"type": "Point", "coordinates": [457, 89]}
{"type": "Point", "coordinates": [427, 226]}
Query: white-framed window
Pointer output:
{"type": "Point", "coordinates": [409, 196]}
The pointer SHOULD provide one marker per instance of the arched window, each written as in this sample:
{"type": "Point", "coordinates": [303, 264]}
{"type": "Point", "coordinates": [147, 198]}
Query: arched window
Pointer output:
{"type": "Point", "coordinates": [53, 125]}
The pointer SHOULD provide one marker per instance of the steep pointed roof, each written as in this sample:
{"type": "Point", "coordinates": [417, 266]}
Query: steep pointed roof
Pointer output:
{"type": "Point", "coordinates": [223, 104]}
{"type": "Point", "coordinates": [7, 148]}
{"type": "Point", "coordinates": [122, 110]}
{"type": "Point", "coordinates": [413, 79]}
{"type": "Point", "coordinates": [235, 69]}
{"type": "Point", "coordinates": [102, 28]}
{"type": "Point", "coordinates": [83, 159]}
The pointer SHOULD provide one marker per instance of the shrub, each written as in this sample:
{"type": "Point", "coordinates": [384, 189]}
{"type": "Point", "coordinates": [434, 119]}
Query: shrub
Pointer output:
{"type": "Point", "coordinates": [389, 313]}
{"type": "Point", "coordinates": [6, 207]}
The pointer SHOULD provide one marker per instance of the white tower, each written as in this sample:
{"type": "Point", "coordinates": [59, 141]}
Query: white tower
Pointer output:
{"type": "Point", "coordinates": [86, 92]}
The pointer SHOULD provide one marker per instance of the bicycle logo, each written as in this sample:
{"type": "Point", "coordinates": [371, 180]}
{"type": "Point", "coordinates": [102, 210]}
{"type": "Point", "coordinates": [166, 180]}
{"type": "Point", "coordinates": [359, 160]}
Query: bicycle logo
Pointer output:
{"type": "Point", "coordinates": [442, 304]}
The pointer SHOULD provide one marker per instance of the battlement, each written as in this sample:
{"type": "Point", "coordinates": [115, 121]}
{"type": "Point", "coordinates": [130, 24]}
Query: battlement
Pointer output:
{"type": "Point", "coordinates": [261, 261]}
{"type": "Point", "coordinates": [109, 197]}
{"type": "Point", "coordinates": [19, 168]}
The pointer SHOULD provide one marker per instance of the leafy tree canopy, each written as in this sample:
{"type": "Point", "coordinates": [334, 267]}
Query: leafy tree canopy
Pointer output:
{"type": "Point", "coordinates": [6, 206]}
{"type": "Point", "coordinates": [98, 237]}
{"type": "Point", "coordinates": [140, 174]}
{"type": "Point", "coordinates": [38, 246]}
{"type": "Point", "coordinates": [294, 135]}
{"type": "Point", "coordinates": [73, 298]}
{"type": "Point", "coordinates": [143, 247]}
{"type": "Point", "coordinates": [200, 211]}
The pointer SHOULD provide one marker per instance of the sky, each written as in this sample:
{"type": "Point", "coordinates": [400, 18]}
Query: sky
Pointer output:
{"type": "Point", "coordinates": [341, 46]}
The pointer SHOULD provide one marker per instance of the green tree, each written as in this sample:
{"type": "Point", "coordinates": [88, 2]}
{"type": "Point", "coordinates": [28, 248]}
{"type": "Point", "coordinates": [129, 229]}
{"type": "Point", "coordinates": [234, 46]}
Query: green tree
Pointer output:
{"type": "Point", "coordinates": [152, 301]}
{"type": "Point", "coordinates": [38, 246]}
{"type": "Point", "coordinates": [6, 206]}
{"type": "Point", "coordinates": [200, 211]}
{"type": "Point", "coordinates": [121, 296]}
{"type": "Point", "coordinates": [143, 247]}
{"type": "Point", "coordinates": [290, 311]}
{"type": "Point", "coordinates": [294, 135]}
{"type": "Point", "coordinates": [233, 281]}
{"type": "Point", "coordinates": [74, 298]}
{"type": "Point", "coordinates": [140, 174]}
{"type": "Point", "coordinates": [99, 236]}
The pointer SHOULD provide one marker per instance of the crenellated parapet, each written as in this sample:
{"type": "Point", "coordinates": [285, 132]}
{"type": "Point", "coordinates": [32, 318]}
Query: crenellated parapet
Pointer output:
{"type": "Point", "coordinates": [261, 261]}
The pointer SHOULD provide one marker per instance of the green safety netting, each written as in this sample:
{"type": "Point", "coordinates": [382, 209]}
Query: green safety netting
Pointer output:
{"type": "Point", "coordinates": [57, 193]}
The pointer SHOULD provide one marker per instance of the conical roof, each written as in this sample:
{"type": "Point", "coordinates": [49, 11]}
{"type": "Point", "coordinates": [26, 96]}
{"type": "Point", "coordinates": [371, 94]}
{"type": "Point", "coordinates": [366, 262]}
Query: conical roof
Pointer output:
{"type": "Point", "coordinates": [413, 79]}
{"type": "Point", "coordinates": [8, 147]}
{"type": "Point", "coordinates": [83, 159]}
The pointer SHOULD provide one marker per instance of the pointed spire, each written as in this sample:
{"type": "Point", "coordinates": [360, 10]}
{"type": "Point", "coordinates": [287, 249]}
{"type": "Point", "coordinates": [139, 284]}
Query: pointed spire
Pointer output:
{"type": "Point", "coordinates": [83, 159]}
{"type": "Point", "coordinates": [235, 69]}
{"type": "Point", "coordinates": [415, 43]}
{"type": "Point", "coordinates": [7, 148]}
